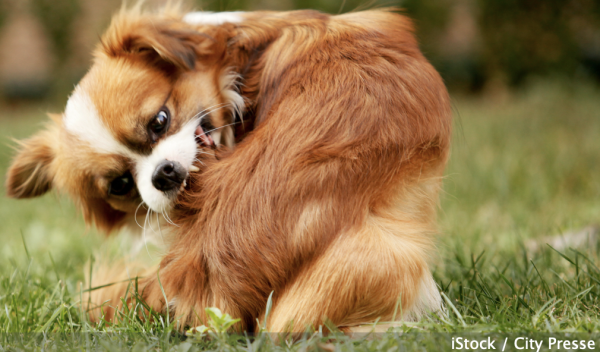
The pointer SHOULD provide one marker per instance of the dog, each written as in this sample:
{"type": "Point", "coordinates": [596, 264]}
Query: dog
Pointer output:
{"type": "Point", "coordinates": [328, 200]}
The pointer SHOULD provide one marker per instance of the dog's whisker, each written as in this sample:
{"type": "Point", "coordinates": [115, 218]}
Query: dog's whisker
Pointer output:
{"type": "Point", "coordinates": [207, 112]}
{"type": "Point", "coordinates": [168, 219]}
{"type": "Point", "coordinates": [172, 222]}
{"type": "Point", "coordinates": [202, 113]}
{"type": "Point", "coordinates": [196, 118]}
{"type": "Point", "coordinates": [206, 109]}
{"type": "Point", "coordinates": [218, 128]}
{"type": "Point", "coordinates": [212, 107]}
{"type": "Point", "coordinates": [144, 232]}
{"type": "Point", "coordinates": [135, 214]}
{"type": "Point", "coordinates": [159, 229]}
{"type": "Point", "coordinates": [150, 222]}
{"type": "Point", "coordinates": [211, 152]}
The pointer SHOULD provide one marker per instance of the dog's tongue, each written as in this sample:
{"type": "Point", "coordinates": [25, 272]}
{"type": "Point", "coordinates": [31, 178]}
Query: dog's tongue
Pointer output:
{"type": "Point", "coordinates": [205, 139]}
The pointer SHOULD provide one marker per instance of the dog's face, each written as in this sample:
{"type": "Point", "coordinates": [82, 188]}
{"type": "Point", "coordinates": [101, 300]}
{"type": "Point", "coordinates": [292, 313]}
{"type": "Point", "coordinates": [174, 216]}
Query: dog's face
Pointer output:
{"type": "Point", "coordinates": [133, 126]}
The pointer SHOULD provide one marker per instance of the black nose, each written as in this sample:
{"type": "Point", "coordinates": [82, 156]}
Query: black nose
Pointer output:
{"type": "Point", "coordinates": [168, 176]}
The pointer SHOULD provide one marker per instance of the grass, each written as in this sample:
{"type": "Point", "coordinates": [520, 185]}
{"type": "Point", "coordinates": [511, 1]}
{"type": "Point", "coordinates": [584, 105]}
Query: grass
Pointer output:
{"type": "Point", "coordinates": [523, 167]}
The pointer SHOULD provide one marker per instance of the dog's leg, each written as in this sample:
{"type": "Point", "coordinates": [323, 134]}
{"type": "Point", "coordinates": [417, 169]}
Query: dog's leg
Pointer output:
{"type": "Point", "coordinates": [360, 278]}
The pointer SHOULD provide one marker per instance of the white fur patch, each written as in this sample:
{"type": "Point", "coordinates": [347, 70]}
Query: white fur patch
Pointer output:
{"type": "Point", "coordinates": [428, 299]}
{"type": "Point", "coordinates": [213, 18]}
{"type": "Point", "coordinates": [173, 304]}
{"type": "Point", "coordinates": [180, 147]}
{"type": "Point", "coordinates": [82, 120]}
{"type": "Point", "coordinates": [228, 83]}
{"type": "Point", "coordinates": [217, 138]}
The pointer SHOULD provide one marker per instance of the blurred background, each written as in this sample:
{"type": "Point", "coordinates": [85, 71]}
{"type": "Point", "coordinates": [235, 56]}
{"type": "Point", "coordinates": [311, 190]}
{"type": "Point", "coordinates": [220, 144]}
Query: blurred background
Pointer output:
{"type": "Point", "coordinates": [479, 46]}
{"type": "Point", "coordinates": [524, 76]}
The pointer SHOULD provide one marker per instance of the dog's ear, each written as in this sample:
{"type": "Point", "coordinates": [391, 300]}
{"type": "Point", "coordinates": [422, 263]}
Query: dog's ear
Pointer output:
{"type": "Point", "coordinates": [160, 40]}
{"type": "Point", "coordinates": [30, 174]}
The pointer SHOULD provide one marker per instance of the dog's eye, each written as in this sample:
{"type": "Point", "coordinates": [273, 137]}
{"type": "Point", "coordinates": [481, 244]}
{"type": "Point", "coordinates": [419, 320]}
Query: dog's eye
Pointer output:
{"type": "Point", "coordinates": [121, 185]}
{"type": "Point", "coordinates": [158, 125]}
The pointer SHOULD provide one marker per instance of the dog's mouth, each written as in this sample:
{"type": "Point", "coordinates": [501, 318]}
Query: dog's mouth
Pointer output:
{"type": "Point", "coordinates": [203, 139]}
{"type": "Point", "coordinates": [203, 136]}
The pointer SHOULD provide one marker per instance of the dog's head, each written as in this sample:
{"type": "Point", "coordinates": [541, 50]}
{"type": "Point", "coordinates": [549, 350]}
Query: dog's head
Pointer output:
{"type": "Point", "coordinates": [131, 131]}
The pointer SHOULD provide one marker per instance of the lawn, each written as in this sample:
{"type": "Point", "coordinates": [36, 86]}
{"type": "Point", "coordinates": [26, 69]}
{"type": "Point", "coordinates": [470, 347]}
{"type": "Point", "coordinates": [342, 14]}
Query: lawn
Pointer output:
{"type": "Point", "coordinates": [524, 171]}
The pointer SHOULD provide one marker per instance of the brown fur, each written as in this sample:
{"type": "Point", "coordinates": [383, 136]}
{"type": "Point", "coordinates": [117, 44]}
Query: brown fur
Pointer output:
{"type": "Point", "coordinates": [330, 201]}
